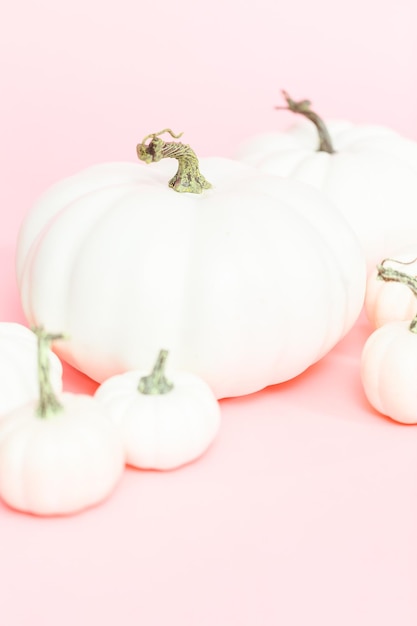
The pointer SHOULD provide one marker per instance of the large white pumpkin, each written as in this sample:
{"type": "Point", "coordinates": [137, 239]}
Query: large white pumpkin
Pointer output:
{"type": "Point", "coordinates": [246, 284]}
{"type": "Point", "coordinates": [371, 176]}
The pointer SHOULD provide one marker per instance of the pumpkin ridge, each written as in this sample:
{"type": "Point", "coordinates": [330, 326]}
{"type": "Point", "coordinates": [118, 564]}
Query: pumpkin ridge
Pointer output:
{"type": "Point", "coordinates": [25, 275]}
{"type": "Point", "coordinates": [25, 242]}
{"type": "Point", "coordinates": [82, 245]}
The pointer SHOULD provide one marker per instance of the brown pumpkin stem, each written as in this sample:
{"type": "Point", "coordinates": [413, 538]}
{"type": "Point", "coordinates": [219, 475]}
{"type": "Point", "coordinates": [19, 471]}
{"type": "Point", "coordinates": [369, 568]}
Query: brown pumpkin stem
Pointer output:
{"type": "Point", "coordinates": [188, 178]}
{"type": "Point", "coordinates": [389, 274]}
{"type": "Point", "coordinates": [49, 404]}
{"type": "Point", "coordinates": [156, 383]}
{"type": "Point", "coordinates": [303, 108]}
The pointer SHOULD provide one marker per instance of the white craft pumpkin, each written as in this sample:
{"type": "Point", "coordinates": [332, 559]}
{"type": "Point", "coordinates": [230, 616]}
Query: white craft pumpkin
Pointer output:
{"type": "Point", "coordinates": [18, 367]}
{"type": "Point", "coordinates": [389, 371]}
{"type": "Point", "coordinates": [164, 422]}
{"type": "Point", "coordinates": [371, 176]}
{"type": "Point", "coordinates": [60, 453]}
{"type": "Point", "coordinates": [390, 301]}
{"type": "Point", "coordinates": [246, 284]}
{"type": "Point", "coordinates": [389, 360]}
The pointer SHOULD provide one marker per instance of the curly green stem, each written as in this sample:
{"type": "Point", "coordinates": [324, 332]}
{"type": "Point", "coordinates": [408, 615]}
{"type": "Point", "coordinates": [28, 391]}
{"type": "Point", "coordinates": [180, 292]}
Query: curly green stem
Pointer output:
{"type": "Point", "coordinates": [389, 274]}
{"type": "Point", "coordinates": [303, 108]}
{"type": "Point", "coordinates": [156, 383]}
{"type": "Point", "coordinates": [49, 404]}
{"type": "Point", "coordinates": [188, 178]}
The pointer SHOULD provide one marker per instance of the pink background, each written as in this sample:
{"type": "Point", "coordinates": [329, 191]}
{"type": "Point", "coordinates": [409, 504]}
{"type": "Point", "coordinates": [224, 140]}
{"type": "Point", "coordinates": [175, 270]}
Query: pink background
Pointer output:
{"type": "Point", "coordinates": [305, 509]}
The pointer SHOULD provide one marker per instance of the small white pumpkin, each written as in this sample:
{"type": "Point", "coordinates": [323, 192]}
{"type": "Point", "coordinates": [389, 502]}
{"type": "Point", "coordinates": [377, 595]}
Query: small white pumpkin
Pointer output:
{"type": "Point", "coordinates": [18, 367]}
{"type": "Point", "coordinates": [58, 455]}
{"type": "Point", "coordinates": [164, 424]}
{"type": "Point", "coordinates": [389, 371]}
{"type": "Point", "coordinates": [369, 172]}
{"type": "Point", "coordinates": [246, 284]}
{"type": "Point", "coordinates": [389, 362]}
{"type": "Point", "coordinates": [392, 300]}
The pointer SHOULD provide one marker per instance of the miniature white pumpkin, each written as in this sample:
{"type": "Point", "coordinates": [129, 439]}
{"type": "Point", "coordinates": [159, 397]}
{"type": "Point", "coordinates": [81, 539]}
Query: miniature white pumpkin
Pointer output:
{"type": "Point", "coordinates": [164, 423]}
{"type": "Point", "coordinates": [393, 300]}
{"type": "Point", "coordinates": [60, 454]}
{"type": "Point", "coordinates": [389, 361]}
{"type": "Point", "coordinates": [369, 172]}
{"type": "Point", "coordinates": [18, 367]}
{"type": "Point", "coordinates": [389, 371]}
{"type": "Point", "coordinates": [246, 284]}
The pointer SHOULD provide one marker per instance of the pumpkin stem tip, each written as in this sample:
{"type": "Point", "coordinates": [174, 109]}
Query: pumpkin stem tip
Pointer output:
{"type": "Point", "coordinates": [303, 107]}
{"type": "Point", "coordinates": [156, 383]}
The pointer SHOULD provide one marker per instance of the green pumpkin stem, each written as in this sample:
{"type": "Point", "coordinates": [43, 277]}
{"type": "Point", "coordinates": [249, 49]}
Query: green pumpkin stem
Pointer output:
{"type": "Point", "coordinates": [389, 274]}
{"type": "Point", "coordinates": [49, 404]}
{"type": "Point", "coordinates": [188, 178]}
{"type": "Point", "coordinates": [156, 383]}
{"type": "Point", "coordinates": [303, 108]}
{"type": "Point", "coordinates": [413, 325]}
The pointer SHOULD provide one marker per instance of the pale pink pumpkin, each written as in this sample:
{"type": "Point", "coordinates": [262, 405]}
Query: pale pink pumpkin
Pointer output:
{"type": "Point", "coordinates": [389, 362]}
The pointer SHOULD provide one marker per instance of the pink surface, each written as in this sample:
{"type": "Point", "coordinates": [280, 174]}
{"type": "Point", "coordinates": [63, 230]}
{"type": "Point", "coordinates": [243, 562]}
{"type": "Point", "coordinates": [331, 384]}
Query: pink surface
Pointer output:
{"type": "Point", "coordinates": [303, 512]}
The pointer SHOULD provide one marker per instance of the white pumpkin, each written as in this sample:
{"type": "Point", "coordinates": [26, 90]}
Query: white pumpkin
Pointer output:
{"type": "Point", "coordinates": [369, 172]}
{"type": "Point", "coordinates": [18, 367]}
{"type": "Point", "coordinates": [164, 423]}
{"type": "Point", "coordinates": [392, 300]}
{"type": "Point", "coordinates": [389, 359]}
{"type": "Point", "coordinates": [58, 454]}
{"type": "Point", "coordinates": [246, 284]}
{"type": "Point", "coordinates": [389, 370]}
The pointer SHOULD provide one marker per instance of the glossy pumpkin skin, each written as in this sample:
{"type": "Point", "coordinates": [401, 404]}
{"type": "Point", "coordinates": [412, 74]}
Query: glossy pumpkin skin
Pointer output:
{"type": "Point", "coordinates": [162, 431]}
{"type": "Point", "coordinates": [18, 367]}
{"type": "Point", "coordinates": [392, 301]}
{"type": "Point", "coordinates": [246, 285]}
{"type": "Point", "coordinates": [389, 371]}
{"type": "Point", "coordinates": [60, 464]}
{"type": "Point", "coordinates": [371, 177]}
